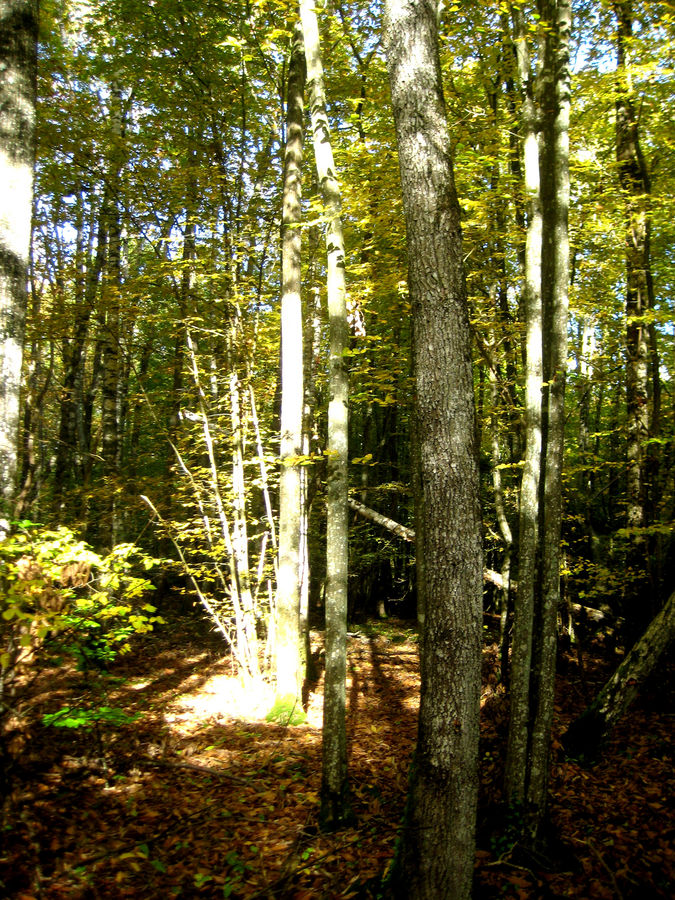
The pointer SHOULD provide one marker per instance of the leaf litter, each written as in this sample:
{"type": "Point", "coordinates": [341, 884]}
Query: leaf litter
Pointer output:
{"type": "Point", "coordinates": [201, 797]}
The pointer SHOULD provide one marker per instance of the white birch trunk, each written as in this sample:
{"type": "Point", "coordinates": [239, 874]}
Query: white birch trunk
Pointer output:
{"type": "Point", "coordinates": [18, 64]}
{"type": "Point", "coordinates": [288, 666]}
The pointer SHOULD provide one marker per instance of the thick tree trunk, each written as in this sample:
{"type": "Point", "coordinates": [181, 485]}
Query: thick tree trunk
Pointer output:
{"type": "Point", "coordinates": [335, 807]}
{"type": "Point", "coordinates": [289, 643]}
{"type": "Point", "coordinates": [436, 853]}
{"type": "Point", "coordinates": [585, 735]}
{"type": "Point", "coordinates": [18, 74]}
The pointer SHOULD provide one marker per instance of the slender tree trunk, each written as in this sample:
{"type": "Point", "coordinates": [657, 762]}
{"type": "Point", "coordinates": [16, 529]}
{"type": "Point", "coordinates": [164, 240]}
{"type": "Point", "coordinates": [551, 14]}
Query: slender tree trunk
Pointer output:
{"type": "Point", "coordinates": [636, 187]}
{"type": "Point", "coordinates": [558, 18]}
{"type": "Point", "coordinates": [436, 853]}
{"type": "Point", "coordinates": [112, 284]}
{"type": "Point", "coordinates": [289, 641]}
{"type": "Point", "coordinates": [242, 570]}
{"type": "Point", "coordinates": [69, 450]}
{"type": "Point", "coordinates": [18, 75]}
{"type": "Point", "coordinates": [546, 287]}
{"type": "Point", "coordinates": [335, 806]}
{"type": "Point", "coordinates": [521, 652]}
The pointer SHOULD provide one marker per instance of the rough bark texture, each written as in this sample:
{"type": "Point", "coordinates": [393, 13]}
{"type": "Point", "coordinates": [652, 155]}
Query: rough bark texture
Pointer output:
{"type": "Point", "coordinates": [436, 852]}
{"type": "Point", "coordinates": [289, 647]}
{"type": "Point", "coordinates": [585, 735]}
{"type": "Point", "coordinates": [335, 810]}
{"type": "Point", "coordinates": [18, 73]}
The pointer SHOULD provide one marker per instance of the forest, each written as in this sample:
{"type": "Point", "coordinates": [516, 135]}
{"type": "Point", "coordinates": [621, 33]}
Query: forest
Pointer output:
{"type": "Point", "coordinates": [337, 449]}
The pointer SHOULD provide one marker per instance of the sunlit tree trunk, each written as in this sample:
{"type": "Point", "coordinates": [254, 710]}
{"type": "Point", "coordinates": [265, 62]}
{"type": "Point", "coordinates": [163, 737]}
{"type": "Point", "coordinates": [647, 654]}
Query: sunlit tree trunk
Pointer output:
{"type": "Point", "coordinates": [556, 105]}
{"type": "Point", "coordinates": [289, 642]}
{"type": "Point", "coordinates": [241, 575]}
{"type": "Point", "coordinates": [18, 73]}
{"type": "Point", "coordinates": [523, 623]}
{"type": "Point", "coordinates": [335, 807]}
{"type": "Point", "coordinates": [436, 854]}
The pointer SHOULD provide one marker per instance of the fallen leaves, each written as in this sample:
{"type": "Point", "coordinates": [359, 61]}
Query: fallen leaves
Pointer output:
{"type": "Point", "coordinates": [193, 800]}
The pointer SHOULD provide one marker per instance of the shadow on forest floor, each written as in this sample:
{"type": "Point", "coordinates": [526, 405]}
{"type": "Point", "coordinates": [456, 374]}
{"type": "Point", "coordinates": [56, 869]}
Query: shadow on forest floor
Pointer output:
{"type": "Point", "coordinates": [194, 800]}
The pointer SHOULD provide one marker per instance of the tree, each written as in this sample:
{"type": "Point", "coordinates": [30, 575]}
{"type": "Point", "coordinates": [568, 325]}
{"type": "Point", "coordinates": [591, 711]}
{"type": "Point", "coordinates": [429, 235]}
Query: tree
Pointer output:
{"type": "Point", "coordinates": [546, 158]}
{"type": "Point", "coordinates": [436, 853]}
{"type": "Point", "coordinates": [641, 343]}
{"type": "Point", "coordinates": [335, 806]}
{"type": "Point", "coordinates": [18, 78]}
{"type": "Point", "coordinates": [288, 639]}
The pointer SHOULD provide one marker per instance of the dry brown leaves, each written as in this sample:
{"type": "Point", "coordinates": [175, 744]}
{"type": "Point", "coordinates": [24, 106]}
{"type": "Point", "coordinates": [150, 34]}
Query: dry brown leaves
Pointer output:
{"type": "Point", "coordinates": [195, 801]}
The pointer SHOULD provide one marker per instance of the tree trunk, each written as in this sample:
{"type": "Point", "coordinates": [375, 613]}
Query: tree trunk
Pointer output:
{"type": "Point", "coordinates": [110, 376]}
{"type": "Point", "coordinates": [69, 451]}
{"type": "Point", "coordinates": [585, 735]}
{"type": "Point", "coordinates": [558, 18]}
{"type": "Point", "coordinates": [18, 75]}
{"type": "Point", "coordinates": [636, 187]}
{"type": "Point", "coordinates": [523, 622]}
{"type": "Point", "coordinates": [335, 806]}
{"type": "Point", "coordinates": [289, 644]}
{"type": "Point", "coordinates": [545, 132]}
{"type": "Point", "coordinates": [436, 853]}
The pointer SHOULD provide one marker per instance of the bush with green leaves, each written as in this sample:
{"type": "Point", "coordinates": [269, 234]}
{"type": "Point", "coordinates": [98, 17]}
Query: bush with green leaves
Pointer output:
{"type": "Point", "coordinates": [59, 598]}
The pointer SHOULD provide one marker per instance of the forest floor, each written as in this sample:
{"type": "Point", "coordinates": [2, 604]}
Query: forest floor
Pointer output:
{"type": "Point", "coordinates": [201, 797]}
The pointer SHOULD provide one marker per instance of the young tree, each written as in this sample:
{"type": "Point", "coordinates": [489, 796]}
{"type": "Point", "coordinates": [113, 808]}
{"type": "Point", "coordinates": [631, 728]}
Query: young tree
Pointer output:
{"type": "Point", "coordinates": [436, 854]}
{"type": "Point", "coordinates": [18, 74]}
{"type": "Point", "coordinates": [289, 675]}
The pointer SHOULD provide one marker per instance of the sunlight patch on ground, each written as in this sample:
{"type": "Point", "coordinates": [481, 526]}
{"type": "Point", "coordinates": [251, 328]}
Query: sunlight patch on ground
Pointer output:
{"type": "Point", "coordinates": [222, 697]}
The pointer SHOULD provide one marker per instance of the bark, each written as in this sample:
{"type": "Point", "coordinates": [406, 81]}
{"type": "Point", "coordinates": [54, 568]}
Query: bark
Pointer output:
{"type": "Point", "coordinates": [335, 807]}
{"type": "Point", "coordinates": [18, 76]}
{"type": "Point", "coordinates": [558, 17]}
{"type": "Point", "coordinates": [586, 734]}
{"type": "Point", "coordinates": [636, 187]}
{"type": "Point", "coordinates": [436, 852]}
{"type": "Point", "coordinates": [635, 184]}
{"type": "Point", "coordinates": [289, 646]}
{"type": "Point", "coordinates": [523, 623]}
{"type": "Point", "coordinates": [69, 451]}
{"type": "Point", "coordinates": [544, 123]}
{"type": "Point", "coordinates": [110, 377]}
{"type": "Point", "coordinates": [373, 516]}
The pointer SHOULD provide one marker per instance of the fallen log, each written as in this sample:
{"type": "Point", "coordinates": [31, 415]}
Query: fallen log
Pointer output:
{"type": "Point", "coordinates": [489, 575]}
{"type": "Point", "coordinates": [586, 734]}
{"type": "Point", "coordinates": [408, 534]}
{"type": "Point", "coordinates": [373, 516]}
